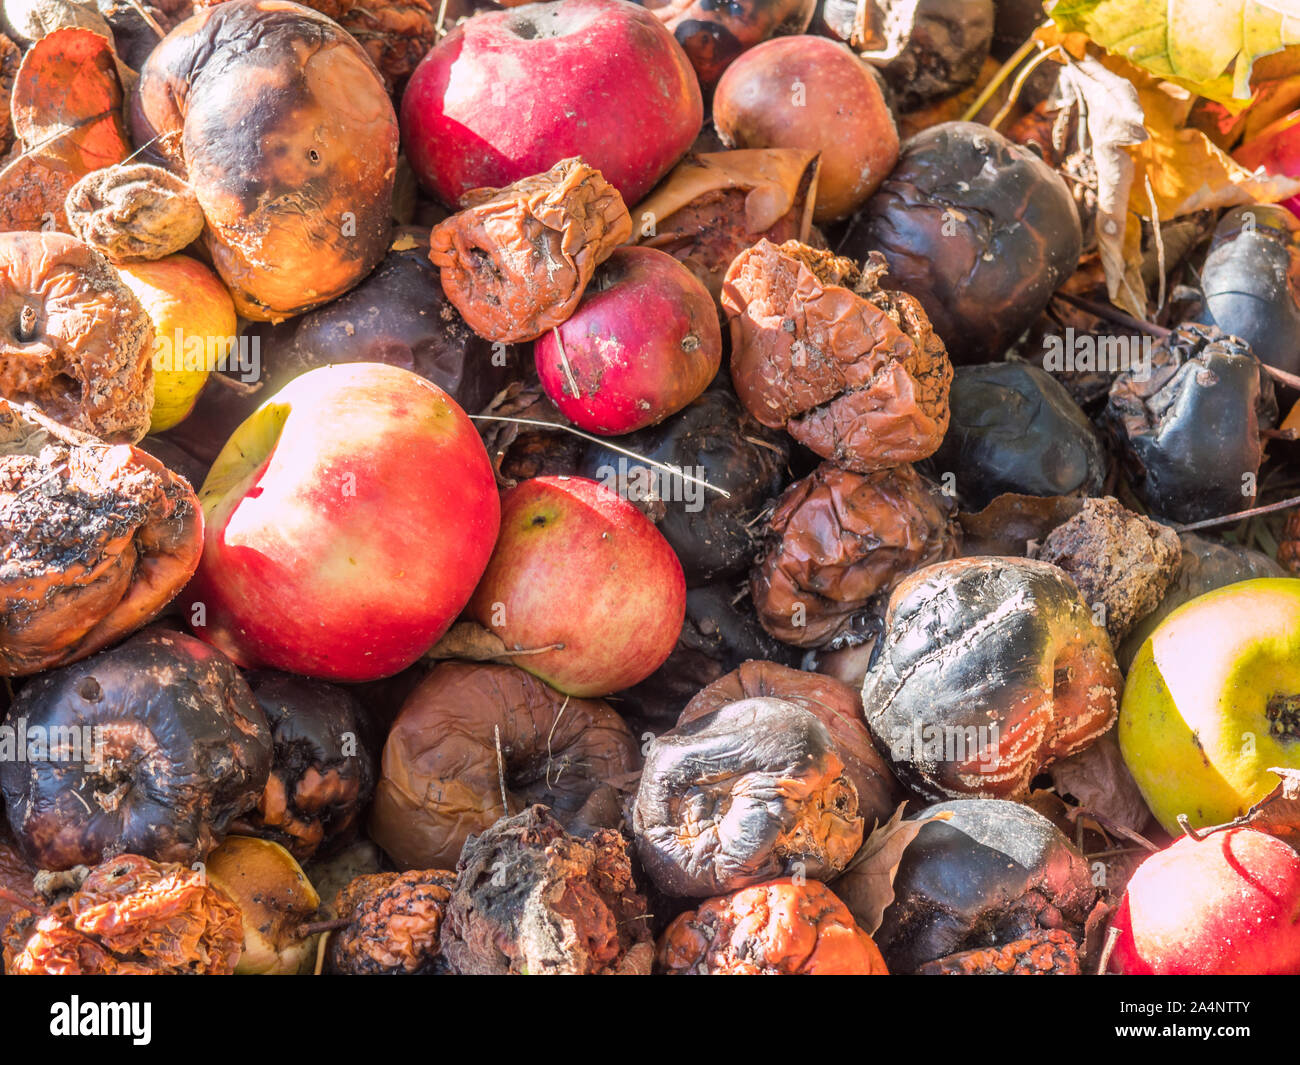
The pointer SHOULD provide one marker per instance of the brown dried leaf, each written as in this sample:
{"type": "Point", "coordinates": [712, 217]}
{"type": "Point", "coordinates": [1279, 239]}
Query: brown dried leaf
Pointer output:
{"type": "Point", "coordinates": [1008, 524]}
{"type": "Point", "coordinates": [1101, 783]}
{"type": "Point", "coordinates": [867, 884]}
{"type": "Point", "coordinates": [1114, 121]}
{"type": "Point", "coordinates": [470, 641]}
{"type": "Point", "coordinates": [1278, 812]}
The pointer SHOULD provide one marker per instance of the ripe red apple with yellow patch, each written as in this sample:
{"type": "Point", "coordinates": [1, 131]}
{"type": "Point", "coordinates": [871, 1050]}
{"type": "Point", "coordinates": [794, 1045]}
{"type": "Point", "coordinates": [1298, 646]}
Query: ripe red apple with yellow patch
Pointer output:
{"type": "Point", "coordinates": [1226, 905]}
{"type": "Point", "coordinates": [580, 571]}
{"type": "Point", "coordinates": [348, 520]}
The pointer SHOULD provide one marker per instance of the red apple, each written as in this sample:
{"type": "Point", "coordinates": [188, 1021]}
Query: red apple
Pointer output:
{"type": "Point", "coordinates": [510, 93]}
{"type": "Point", "coordinates": [643, 343]}
{"type": "Point", "coordinates": [349, 518]}
{"type": "Point", "coordinates": [580, 567]}
{"type": "Point", "coordinates": [1227, 905]}
{"type": "Point", "coordinates": [812, 93]}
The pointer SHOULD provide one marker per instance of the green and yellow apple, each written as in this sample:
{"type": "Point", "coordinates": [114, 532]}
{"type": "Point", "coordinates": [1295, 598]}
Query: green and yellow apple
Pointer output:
{"type": "Point", "coordinates": [194, 326]}
{"type": "Point", "coordinates": [348, 521]}
{"type": "Point", "coordinates": [1212, 701]}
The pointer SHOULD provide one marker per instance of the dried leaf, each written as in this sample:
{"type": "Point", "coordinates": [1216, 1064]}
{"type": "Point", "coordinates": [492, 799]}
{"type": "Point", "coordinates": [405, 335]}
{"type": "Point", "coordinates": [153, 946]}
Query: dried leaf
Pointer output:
{"type": "Point", "coordinates": [1278, 812]}
{"type": "Point", "coordinates": [67, 116]}
{"type": "Point", "coordinates": [516, 400]}
{"type": "Point", "coordinates": [471, 641]}
{"type": "Point", "coordinates": [867, 884]}
{"type": "Point", "coordinates": [1100, 782]}
{"type": "Point", "coordinates": [1210, 48]}
{"type": "Point", "coordinates": [1008, 524]}
{"type": "Point", "coordinates": [1114, 122]}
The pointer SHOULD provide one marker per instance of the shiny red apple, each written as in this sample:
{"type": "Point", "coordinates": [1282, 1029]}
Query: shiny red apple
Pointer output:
{"type": "Point", "coordinates": [510, 93]}
{"type": "Point", "coordinates": [643, 343]}
{"type": "Point", "coordinates": [348, 520]}
{"type": "Point", "coordinates": [1225, 905]}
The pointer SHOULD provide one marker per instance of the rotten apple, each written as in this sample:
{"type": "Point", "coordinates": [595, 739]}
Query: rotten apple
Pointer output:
{"type": "Point", "coordinates": [642, 344]}
{"type": "Point", "coordinates": [583, 584]}
{"type": "Point", "coordinates": [348, 520]}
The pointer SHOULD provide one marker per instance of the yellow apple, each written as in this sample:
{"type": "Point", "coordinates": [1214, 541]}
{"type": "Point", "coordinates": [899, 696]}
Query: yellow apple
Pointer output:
{"type": "Point", "coordinates": [275, 898]}
{"type": "Point", "coordinates": [194, 324]}
{"type": "Point", "coordinates": [1212, 701]}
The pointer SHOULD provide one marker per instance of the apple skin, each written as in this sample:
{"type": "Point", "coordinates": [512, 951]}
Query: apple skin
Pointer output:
{"type": "Point", "coordinates": [510, 93]}
{"type": "Point", "coordinates": [1276, 148]}
{"type": "Point", "coordinates": [578, 565]}
{"type": "Point", "coordinates": [349, 518]}
{"type": "Point", "coordinates": [1193, 724]}
{"type": "Point", "coordinates": [840, 112]}
{"type": "Point", "coordinates": [1227, 905]}
{"type": "Point", "coordinates": [643, 343]}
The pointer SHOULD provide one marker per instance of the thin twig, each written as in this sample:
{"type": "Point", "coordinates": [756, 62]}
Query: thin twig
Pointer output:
{"type": "Point", "coordinates": [243, 388]}
{"type": "Point", "coordinates": [1240, 515]}
{"type": "Point", "coordinates": [149, 20]}
{"type": "Point", "coordinates": [1112, 937]}
{"type": "Point", "coordinates": [501, 769]}
{"type": "Point", "coordinates": [990, 90]}
{"type": "Point", "coordinates": [1114, 314]}
{"type": "Point", "coordinates": [439, 29]}
{"type": "Point", "coordinates": [1019, 84]}
{"type": "Point", "coordinates": [564, 361]}
{"type": "Point", "coordinates": [563, 706]}
{"type": "Point", "coordinates": [604, 442]}
{"type": "Point", "coordinates": [1281, 376]}
{"type": "Point", "coordinates": [314, 927]}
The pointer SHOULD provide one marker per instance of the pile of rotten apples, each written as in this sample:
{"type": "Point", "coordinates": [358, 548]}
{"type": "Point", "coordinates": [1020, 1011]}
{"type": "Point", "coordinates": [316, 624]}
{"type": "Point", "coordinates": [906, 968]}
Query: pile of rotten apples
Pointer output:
{"type": "Point", "coordinates": [643, 526]}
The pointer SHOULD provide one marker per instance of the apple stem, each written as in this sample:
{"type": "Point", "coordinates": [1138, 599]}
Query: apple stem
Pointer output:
{"type": "Point", "coordinates": [1113, 314]}
{"type": "Point", "coordinates": [313, 927]}
{"type": "Point", "coordinates": [244, 388]}
{"type": "Point", "coordinates": [603, 442]}
{"type": "Point", "coordinates": [1112, 937]}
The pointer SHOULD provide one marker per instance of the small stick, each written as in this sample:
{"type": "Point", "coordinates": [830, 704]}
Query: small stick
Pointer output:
{"type": "Point", "coordinates": [1019, 84]}
{"type": "Point", "coordinates": [1281, 376]}
{"type": "Point", "coordinates": [438, 27]}
{"type": "Point", "coordinates": [1114, 314]}
{"type": "Point", "coordinates": [604, 442]}
{"type": "Point", "coordinates": [149, 20]}
{"type": "Point", "coordinates": [1240, 515]}
{"type": "Point", "coordinates": [1004, 72]}
{"type": "Point", "coordinates": [1186, 825]}
{"type": "Point", "coordinates": [563, 706]}
{"type": "Point", "coordinates": [332, 925]}
{"type": "Point", "coordinates": [564, 361]}
{"type": "Point", "coordinates": [501, 770]}
{"type": "Point", "coordinates": [243, 388]}
{"type": "Point", "coordinates": [1112, 937]}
